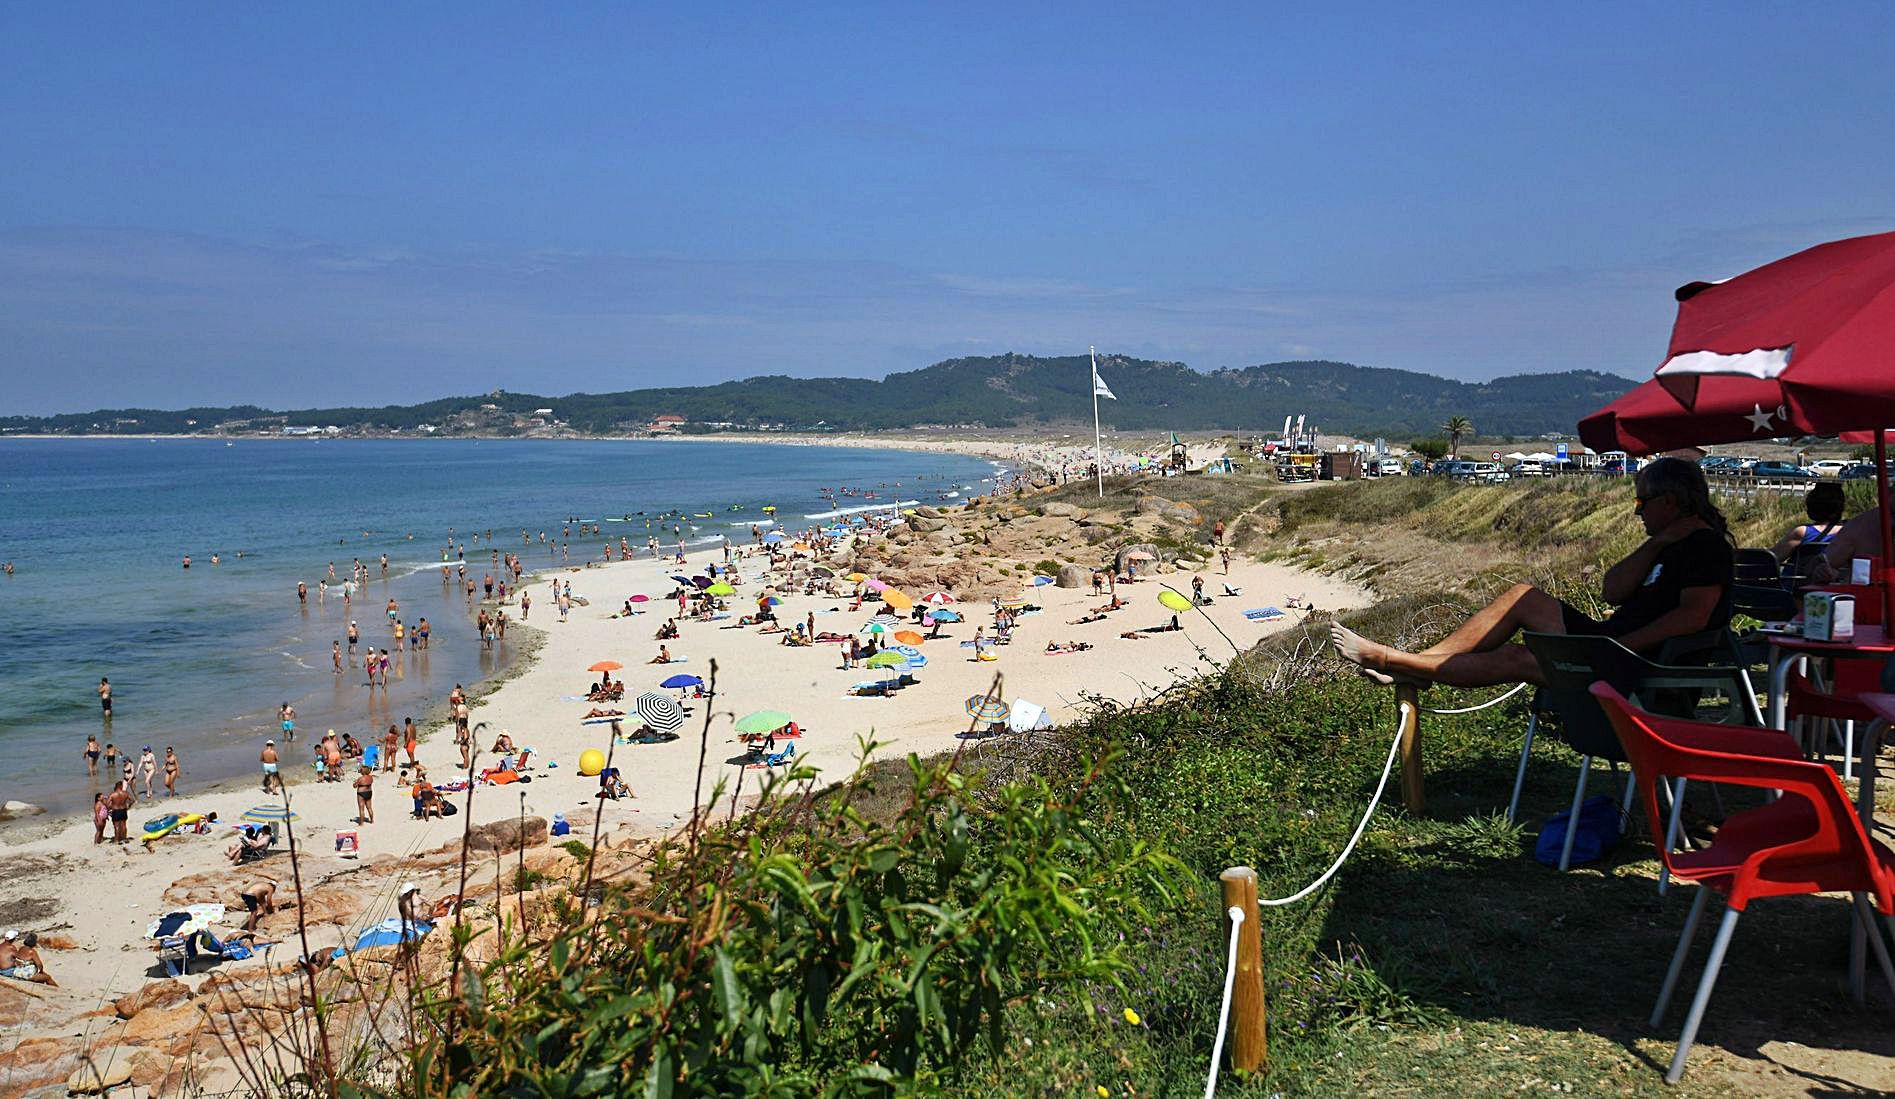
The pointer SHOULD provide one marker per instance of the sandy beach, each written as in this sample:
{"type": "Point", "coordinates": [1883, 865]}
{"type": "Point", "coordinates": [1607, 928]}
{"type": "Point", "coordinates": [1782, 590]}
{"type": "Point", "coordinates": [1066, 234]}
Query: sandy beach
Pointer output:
{"type": "Point", "coordinates": [98, 899]}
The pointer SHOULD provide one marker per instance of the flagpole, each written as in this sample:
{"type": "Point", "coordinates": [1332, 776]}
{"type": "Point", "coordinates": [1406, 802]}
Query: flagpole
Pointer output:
{"type": "Point", "coordinates": [1098, 450]}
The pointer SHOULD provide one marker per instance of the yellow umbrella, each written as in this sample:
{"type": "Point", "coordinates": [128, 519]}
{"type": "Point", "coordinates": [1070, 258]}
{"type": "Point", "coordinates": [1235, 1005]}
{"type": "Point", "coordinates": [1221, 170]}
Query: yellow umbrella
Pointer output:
{"type": "Point", "coordinates": [804, 546]}
{"type": "Point", "coordinates": [855, 577]}
{"type": "Point", "coordinates": [1173, 601]}
{"type": "Point", "coordinates": [897, 600]}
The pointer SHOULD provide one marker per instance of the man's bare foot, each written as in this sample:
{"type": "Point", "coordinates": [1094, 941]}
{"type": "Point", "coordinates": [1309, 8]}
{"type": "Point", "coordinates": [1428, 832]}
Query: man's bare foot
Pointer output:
{"type": "Point", "coordinates": [1356, 649]}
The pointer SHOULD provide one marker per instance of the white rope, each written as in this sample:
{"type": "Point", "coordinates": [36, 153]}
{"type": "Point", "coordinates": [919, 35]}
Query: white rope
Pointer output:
{"type": "Point", "coordinates": [1223, 1015]}
{"type": "Point", "coordinates": [1360, 825]}
{"type": "Point", "coordinates": [1517, 688]}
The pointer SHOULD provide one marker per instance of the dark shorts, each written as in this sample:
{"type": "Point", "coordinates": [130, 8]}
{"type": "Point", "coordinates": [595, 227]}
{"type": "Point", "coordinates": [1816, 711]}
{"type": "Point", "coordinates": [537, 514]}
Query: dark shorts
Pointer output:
{"type": "Point", "coordinates": [1580, 624]}
{"type": "Point", "coordinates": [251, 903]}
{"type": "Point", "coordinates": [365, 795]}
{"type": "Point", "coordinates": [119, 815]}
{"type": "Point", "coordinates": [105, 704]}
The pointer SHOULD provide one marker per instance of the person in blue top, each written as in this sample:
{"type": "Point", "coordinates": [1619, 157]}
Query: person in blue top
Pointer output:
{"type": "Point", "coordinates": [1676, 583]}
{"type": "Point", "coordinates": [1824, 505]}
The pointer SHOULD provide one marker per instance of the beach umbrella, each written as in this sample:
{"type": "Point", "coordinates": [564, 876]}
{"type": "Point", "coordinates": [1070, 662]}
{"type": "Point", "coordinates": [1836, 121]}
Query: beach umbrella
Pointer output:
{"type": "Point", "coordinates": [702, 581]}
{"type": "Point", "coordinates": [1028, 716]}
{"type": "Point", "coordinates": [905, 650]}
{"type": "Point", "coordinates": [898, 600]}
{"type": "Point", "coordinates": [887, 658]}
{"type": "Point", "coordinates": [1014, 604]}
{"type": "Point", "coordinates": [185, 921]}
{"type": "Point", "coordinates": [886, 619]}
{"type": "Point", "coordinates": [873, 627]}
{"type": "Point", "coordinates": [772, 601]}
{"type": "Point", "coordinates": [945, 616]}
{"type": "Point", "coordinates": [916, 661]}
{"type": "Point", "coordinates": [855, 578]}
{"type": "Point", "coordinates": [390, 932]}
{"type": "Point", "coordinates": [909, 637]}
{"type": "Point", "coordinates": [605, 666]}
{"type": "Point", "coordinates": [638, 598]}
{"type": "Point", "coordinates": [763, 721]}
{"type": "Point", "coordinates": [878, 585]}
{"type": "Point", "coordinates": [937, 599]}
{"type": "Point", "coordinates": [720, 588]}
{"type": "Point", "coordinates": [773, 537]}
{"type": "Point", "coordinates": [803, 546]}
{"type": "Point", "coordinates": [269, 814]}
{"type": "Point", "coordinates": [1042, 581]}
{"type": "Point", "coordinates": [1173, 601]}
{"type": "Point", "coordinates": [680, 681]}
{"type": "Point", "coordinates": [661, 712]}
{"type": "Point", "coordinates": [987, 709]}
{"type": "Point", "coordinates": [682, 580]}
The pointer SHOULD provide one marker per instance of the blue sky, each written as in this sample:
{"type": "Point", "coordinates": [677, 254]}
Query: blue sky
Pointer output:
{"type": "Point", "coordinates": [317, 206]}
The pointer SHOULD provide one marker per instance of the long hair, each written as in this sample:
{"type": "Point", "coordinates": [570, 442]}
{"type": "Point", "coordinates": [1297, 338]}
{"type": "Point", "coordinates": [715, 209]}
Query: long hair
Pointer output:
{"type": "Point", "coordinates": [1684, 482]}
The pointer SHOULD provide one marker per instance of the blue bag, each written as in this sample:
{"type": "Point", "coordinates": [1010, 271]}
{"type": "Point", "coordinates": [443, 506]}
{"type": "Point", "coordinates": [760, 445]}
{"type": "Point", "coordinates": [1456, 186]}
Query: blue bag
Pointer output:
{"type": "Point", "coordinates": [1598, 832]}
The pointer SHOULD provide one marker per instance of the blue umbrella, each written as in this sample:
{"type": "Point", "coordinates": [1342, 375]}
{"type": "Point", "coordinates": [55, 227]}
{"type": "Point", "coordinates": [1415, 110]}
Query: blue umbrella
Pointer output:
{"type": "Point", "coordinates": [908, 651]}
{"type": "Point", "coordinates": [685, 580]}
{"type": "Point", "coordinates": [681, 681]}
{"type": "Point", "coordinates": [387, 933]}
{"type": "Point", "coordinates": [945, 616]}
{"type": "Point", "coordinates": [268, 814]}
{"type": "Point", "coordinates": [773, 536]}
{"type": "Point", "coordinates": [916, 661]}
{"type": "Point", "coordinates": [1040, 581]}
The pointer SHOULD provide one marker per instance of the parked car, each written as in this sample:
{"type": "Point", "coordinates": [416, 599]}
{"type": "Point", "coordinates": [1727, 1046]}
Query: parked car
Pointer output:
{"type": "Point", "coordinates": [1858, 471]}
{"type": "Point", "coordinates": [1486, 473]}
{"type": "Point", "coordinates": [1828, 467]}
{"type": "Point", "coordinates": [1528, 467]}
{"type": "Point", "coordinates": [1718, 463]}
{"type": "Point", "coordinates": [1781, 471]}
{"type": "Point", "coordinates": [1389, 467]}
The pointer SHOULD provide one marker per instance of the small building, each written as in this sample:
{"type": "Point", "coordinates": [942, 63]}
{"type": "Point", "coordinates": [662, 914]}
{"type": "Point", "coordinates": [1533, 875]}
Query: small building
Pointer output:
{"type": "Point", "coordinates": [667, 423]}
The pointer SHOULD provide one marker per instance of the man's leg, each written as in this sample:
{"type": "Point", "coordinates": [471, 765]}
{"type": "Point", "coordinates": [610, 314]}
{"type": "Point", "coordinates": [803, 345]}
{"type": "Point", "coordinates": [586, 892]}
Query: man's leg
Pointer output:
{"type": "Point", "coordinates": [1521, 607]}
{"type": "Point", "coordinates": [1475, 655]}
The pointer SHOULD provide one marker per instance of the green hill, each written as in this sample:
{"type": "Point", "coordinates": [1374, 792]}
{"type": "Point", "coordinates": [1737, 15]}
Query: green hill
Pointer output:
{"type": "Point", "coordinates": [996, 391]}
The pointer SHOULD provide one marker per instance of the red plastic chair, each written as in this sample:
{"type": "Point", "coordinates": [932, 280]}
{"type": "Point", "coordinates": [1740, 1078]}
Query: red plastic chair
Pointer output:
{"type": "Point", "coordinates": [1807, 841]}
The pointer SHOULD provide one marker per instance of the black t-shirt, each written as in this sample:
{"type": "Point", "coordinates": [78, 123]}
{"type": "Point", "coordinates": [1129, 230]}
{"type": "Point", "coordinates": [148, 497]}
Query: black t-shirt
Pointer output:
{"type": "Point", "coordinates": [1701, 559]}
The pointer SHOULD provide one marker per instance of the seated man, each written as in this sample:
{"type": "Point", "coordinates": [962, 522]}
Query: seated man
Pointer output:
{"type": "Point", "coordinates": [20, 960]}
{"type": "Point", "coordinates": [1677, 583]}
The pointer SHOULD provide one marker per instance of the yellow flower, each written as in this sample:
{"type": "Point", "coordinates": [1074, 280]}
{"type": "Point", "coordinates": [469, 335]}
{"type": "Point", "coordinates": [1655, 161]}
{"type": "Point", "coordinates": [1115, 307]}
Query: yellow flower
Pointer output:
{"type": "Point", "coordinates": [1100, 1088]}
{"type": "Point", "coordinates": [1131, 1016]}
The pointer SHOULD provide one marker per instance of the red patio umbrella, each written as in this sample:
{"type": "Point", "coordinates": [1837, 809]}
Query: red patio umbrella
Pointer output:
{"type": "Point", "coordinates": [1648, 419]}
{"type": "Point", "coordinates": [1817, 327]}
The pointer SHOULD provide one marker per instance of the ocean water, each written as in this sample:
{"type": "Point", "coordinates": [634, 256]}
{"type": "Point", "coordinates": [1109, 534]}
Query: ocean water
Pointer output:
{"type": "Point", "coordinates": [200, 659]}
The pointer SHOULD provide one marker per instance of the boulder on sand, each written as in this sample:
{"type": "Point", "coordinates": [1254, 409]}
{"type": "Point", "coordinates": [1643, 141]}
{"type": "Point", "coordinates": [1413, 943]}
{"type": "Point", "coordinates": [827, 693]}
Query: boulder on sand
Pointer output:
{"type": "Point", "coordinates": [1073, 576]}
{"type": "Point", "coordinates": [508, 835]}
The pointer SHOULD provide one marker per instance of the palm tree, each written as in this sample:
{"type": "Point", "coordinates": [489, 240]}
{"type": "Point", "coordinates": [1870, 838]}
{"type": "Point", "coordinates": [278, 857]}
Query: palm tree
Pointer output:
{"type": "Point", "coordinates": [1456, 427]}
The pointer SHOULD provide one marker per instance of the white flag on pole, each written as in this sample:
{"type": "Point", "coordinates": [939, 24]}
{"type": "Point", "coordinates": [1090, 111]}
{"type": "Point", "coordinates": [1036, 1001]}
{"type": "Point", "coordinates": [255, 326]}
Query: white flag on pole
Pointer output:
{"type": "Point", "coordinates": [1099, 387]}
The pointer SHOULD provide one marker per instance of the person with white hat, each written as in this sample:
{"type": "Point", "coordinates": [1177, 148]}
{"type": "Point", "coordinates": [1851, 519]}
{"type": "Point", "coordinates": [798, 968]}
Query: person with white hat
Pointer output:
{"type": "Point", "coordinates": [408, 902]}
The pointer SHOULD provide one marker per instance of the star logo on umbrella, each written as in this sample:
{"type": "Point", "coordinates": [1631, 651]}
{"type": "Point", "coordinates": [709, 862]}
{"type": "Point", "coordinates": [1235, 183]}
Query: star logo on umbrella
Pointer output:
{"type": "Point", "coordinates": [1760, 419]}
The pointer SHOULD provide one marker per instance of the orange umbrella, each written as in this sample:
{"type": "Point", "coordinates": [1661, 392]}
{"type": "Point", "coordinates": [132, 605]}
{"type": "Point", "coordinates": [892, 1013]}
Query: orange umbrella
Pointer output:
{"type": "Point", "coordinates": [909, 637]}
{"type": "Point", "coordinates": [606, 666]}
{"type": "Point", "coordinates": [804, 546]}
{"type": "Point", "coordinates": [897, 600]}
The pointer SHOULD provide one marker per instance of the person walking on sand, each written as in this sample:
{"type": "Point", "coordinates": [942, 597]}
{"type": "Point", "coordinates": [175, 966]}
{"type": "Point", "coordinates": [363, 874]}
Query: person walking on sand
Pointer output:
{"type": "Point", "coordinates": [92, 755]}
{"type": "Point", "coordinates": [391, 742]}
{"type": "Point", "coordinates": [105, 697]}
{"type": "Point", "coordinates": [411, 738]}
{"type": "Point", "coordinates": [272, 781]}
{"type": "Point", "coordinates": [148, 768]}
{"type": "Point", "coordinates": [364, 791]}
{"type": "Point", "coordinates": [171, 769]}
{"type": "Point", "coordinates": [118, 804]}
{"type": "Point", "coordinates": [1225, 554]}
{"type": "Point", "coordinates": [526, 606]}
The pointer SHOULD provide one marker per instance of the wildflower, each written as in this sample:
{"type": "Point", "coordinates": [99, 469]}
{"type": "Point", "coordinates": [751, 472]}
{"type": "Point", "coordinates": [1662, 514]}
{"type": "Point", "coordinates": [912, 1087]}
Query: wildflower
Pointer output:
{"type": "Point", "coordinates": [1100, 1088]}
{"type": "Point", "coordinates": [1131, 1016]}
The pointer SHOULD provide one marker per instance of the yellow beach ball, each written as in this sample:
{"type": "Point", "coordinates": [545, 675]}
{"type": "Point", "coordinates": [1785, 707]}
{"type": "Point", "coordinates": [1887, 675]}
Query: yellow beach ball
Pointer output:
{"type": "Point", "coordinates": [591, 762]}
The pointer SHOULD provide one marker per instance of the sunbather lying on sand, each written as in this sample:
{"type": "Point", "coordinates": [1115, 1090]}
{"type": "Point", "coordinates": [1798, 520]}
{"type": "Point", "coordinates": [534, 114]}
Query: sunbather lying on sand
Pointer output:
{"type": "Point", "coordinates": [1067, 646]}
{"type": "Point", "coordinates": [1677, 583]}
{"type": "Point", "coordinates": [597, 712]}
{"type": "Point", "coordinates": [1097, 616]}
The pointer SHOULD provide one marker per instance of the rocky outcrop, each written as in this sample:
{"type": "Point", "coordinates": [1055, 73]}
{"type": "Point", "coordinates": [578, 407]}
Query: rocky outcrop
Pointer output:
{"type": "Point", "coordinates": [508, 835]}
{"type": "Point", "coordinates": [1073, 576]}
{"type": "Point", "coordinates": [163, 993]}
{"type": "Point", "coordinates": [1064, 511]}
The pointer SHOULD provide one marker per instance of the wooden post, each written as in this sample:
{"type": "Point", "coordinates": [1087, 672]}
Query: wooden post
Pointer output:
{"type": "Point", "coordinates": [1407, 697]}
{"type": "Point", "coordinates": [1248, 1041]}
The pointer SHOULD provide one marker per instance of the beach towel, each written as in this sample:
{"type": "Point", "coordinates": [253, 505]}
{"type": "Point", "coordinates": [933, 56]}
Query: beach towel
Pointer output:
{"type": "Point", "coordinates": [600, 720]}
{"type": "Point", "coordinates": [1263, 614]}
